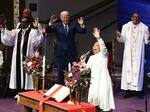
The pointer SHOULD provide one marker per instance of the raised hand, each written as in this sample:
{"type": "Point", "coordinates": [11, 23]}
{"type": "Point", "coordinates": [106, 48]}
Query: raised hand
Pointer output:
{"type": "Point", "coordinates": [36, 23]}
{"type": "Point", "coordinates": [1, 26]}
{"type": "Point", "coordinates": [96, 32]}
{"type": "Point", "coordinates": [2, 21]}
{"type": "Point", "coordinates": [52, 19]}
{"type": "Point", "coordinates": [81, 21]}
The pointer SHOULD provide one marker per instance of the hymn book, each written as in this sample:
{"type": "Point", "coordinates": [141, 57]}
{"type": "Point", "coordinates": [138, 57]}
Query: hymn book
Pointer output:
{"type": "Point", "coordinates": [58, 92]}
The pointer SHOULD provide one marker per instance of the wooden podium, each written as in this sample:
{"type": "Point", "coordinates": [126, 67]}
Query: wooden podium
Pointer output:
{"type": "Point", "coordinates": [32, 100]}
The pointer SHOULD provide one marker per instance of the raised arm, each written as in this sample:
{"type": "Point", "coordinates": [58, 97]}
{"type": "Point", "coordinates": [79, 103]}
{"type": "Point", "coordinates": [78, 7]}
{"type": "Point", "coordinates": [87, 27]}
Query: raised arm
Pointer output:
{"type": "Point", "coordinates": [50, 27]}
{"type": "Point", "coordinates": [8, 37]}
{"type": "Point", "coordinates": [96, 33]}
{"type": "Point", "coordinates": [81, 22]}
{"type": "Point", "coordinates": [80, 28]}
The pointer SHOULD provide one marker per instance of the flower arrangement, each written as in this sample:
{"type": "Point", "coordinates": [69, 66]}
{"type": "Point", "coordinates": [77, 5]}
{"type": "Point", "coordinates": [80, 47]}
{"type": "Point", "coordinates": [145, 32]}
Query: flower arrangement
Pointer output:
{"type": "Point", "coordinates": [78, 77]}
{"type": "Point", "coordinates": [33, 65]}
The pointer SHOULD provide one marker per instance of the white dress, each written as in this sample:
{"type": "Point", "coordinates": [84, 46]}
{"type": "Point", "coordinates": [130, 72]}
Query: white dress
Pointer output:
{"type": "Point", "coordinates": [100, 91]}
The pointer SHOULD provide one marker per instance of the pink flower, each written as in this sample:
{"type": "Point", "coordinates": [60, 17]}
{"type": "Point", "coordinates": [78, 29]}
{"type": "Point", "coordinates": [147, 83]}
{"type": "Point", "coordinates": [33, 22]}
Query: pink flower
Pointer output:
{"type": "Point", "coordinates": [36, 54]}
{"type": "Point", "coordinates": [33, 64]}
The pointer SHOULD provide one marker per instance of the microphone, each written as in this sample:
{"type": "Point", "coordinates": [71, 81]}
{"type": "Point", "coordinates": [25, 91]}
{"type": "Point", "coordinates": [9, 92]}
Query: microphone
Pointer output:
{"type": "Point", "coordinates": [87, 53]}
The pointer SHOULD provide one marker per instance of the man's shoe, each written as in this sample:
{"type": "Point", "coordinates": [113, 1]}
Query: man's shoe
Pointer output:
{"type": "Point", "coordinates": [127, 94]}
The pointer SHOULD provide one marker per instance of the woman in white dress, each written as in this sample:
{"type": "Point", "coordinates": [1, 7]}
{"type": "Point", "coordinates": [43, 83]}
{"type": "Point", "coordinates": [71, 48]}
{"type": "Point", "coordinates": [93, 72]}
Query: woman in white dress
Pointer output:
{"type": "Point", "coordinates": [100, 91]}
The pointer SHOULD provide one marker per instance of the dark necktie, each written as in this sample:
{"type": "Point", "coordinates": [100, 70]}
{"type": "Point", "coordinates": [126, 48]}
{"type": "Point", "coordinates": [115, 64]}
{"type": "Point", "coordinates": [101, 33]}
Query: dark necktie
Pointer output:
{"type": "Point", "coordinates": [66, 30]}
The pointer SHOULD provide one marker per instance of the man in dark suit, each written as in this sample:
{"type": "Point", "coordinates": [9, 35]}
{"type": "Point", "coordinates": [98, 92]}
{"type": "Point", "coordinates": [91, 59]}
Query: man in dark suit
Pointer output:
{"type": "Point", "coordinates": [65, 41]}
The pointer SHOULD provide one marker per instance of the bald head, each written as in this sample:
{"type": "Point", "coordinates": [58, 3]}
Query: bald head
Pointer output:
{"type": "Point", "coordinates": [65, 16]}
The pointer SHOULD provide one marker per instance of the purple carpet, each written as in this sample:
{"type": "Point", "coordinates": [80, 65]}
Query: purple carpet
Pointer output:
{"type": "Point", "coordinates": [9, 105]}
{"type": "Point", "coordinates": [133, 104]}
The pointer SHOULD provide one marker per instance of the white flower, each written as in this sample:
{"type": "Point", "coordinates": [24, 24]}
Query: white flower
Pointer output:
{"type": "Point", "coordinates": [29, 64]}
{"type": "Point", "coordinates": [70, 74]}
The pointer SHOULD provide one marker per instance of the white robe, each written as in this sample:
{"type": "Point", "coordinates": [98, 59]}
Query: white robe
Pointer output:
{"type": "Point", "coordinates": [134, 37]}
{"type": "Point", "coordinates": [100, 91]}
{"type": "Point", "coordinates": [10, 38]}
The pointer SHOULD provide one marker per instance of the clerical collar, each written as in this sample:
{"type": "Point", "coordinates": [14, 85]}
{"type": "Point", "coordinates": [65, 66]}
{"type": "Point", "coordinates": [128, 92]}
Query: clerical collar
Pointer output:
{"type": "Point", "coordinates": [26, 28]}
{"type": "Point", "coordinates": [134, 25]}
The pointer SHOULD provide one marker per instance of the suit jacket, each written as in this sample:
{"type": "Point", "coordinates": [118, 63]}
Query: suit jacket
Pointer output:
{"type": "Point", "coordinates": [65, 43]}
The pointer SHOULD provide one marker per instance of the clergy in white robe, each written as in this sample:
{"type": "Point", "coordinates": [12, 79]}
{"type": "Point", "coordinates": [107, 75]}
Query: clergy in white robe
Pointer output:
{"type": "Point", "coordinates": [25, 41]}
{"type": "Point", "coordinates": [134, 35]}
{"type": "Point", "coordinates": [100, 90]}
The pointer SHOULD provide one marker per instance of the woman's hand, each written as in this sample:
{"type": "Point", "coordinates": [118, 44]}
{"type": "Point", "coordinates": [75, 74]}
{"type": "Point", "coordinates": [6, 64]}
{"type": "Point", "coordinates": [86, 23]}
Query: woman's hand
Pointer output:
{"type": "Point", "coordinates": [96, 33]}
{"type": "Point", "coordinates": [82, 58]}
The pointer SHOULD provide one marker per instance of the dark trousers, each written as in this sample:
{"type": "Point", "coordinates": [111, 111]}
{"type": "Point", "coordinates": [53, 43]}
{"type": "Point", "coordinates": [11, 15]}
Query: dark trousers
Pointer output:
{"type": "Point", "coordinates": [62, 65]}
